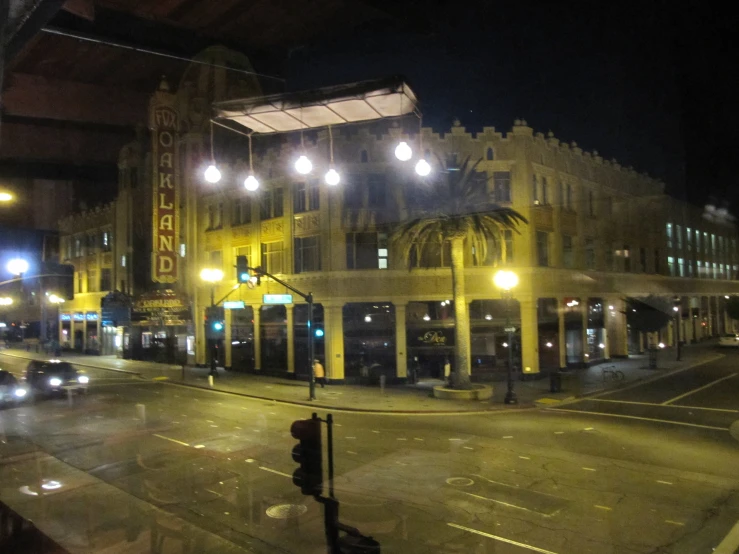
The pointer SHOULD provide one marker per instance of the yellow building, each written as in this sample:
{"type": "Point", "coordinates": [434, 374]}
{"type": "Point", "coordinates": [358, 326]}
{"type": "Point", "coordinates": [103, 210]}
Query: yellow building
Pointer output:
{"type": "Point", "coordinates": [597, 233]}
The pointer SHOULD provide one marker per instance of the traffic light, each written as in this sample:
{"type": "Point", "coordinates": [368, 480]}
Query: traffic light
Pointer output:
{"type": "Point", "coordinates": [309, 476]}
{"type": "Point", "coordinates": [242, 269]}
{"type": "Point", "coordinates": [215, 325]}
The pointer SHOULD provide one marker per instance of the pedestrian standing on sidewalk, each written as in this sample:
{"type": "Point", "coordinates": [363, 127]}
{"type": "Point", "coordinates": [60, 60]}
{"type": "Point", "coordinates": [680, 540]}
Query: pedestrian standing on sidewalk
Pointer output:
{"type": "Point", "coordinates": [447, 372]}
{"type": "Point", "coordinates": [319, 373]}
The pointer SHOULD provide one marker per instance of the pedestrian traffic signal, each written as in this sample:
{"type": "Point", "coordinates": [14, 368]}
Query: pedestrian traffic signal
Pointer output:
{"type": "Point", "coordinates": [309, 476]}
{"type": "Point", "coordinates": [242, 269]}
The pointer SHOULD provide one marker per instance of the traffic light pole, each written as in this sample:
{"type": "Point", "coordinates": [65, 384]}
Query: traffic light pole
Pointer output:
{"type": "Point", "coordinates": [311, 347]}
{"type": "Point", "coordinates": [213, 349]}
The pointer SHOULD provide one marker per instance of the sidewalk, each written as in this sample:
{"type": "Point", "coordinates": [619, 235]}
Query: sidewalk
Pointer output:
{"type": "Point", "coordinates": [398, 398]}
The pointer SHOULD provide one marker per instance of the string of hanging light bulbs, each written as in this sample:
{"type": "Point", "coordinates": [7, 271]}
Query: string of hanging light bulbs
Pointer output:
{"type": "Point", "coordinates": [304, 166]}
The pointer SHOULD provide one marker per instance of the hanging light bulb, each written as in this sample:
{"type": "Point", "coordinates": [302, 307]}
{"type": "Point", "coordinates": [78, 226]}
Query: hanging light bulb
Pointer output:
{"type": "Point", "coordinates": [332, 177]}
{"type": "Point", "coordinates": [303, 165]}
{"type": "Point", "coordinates": [251, 183]}
{"type": "Point", "coordinates": [423, 168]}
{"type": "Point", "coordinates": [403, 152]}
{"type": "Point", "coordinates": [212, 174]}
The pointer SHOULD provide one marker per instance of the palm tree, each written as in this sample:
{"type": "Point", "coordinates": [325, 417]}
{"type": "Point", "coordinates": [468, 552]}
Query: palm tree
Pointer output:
{"type": "Point", "coordinates": [456, 207]}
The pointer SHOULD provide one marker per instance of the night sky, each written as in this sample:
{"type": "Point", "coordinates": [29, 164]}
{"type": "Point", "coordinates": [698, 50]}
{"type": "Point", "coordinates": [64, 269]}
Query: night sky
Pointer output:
{"type": "Point", "coordinates": [643, 83]}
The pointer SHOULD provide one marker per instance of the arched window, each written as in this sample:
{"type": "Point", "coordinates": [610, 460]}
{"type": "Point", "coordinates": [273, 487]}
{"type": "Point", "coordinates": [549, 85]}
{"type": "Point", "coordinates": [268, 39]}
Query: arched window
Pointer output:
{"type": "Point", "coordinates": [363, 157]}
{"type": "Point", "coordinates": [489, 155]}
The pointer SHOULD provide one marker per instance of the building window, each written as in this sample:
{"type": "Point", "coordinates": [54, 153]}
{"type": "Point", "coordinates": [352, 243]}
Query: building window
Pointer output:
{"type": "Point", "coordinates": [508, 241]}
{"type": "Point", "coordinates": [215, 259]}
{"type": "Point", "coordinates": [544, 192]}
{"type": "Point", "coordinates": [715, 270]}
{"type": "Point", "coordinates": [627, 258]}
{"type": "Point", "coordinates": [502, 184]}
{"type": "Point", "coordinates": [591, 204]}
{"type": "Point", "coordinates": [215, 216]}
{"type": "Point", "coordinates": [106, 241]}
{"type": "Point", "coordinates": [608, 202]}
{"type": "Point", "coordinates": [106, 279]}
{"type": "Point", "coordinates": [535, 190]}
{"type": "Point", "coordinates": [243, 251]}
{"type": "Point", "coordinates": [307, 254]}
{"type": "Point", "coordinates": [241, 214]}
{"type": "Point", "coordinates": [681, 267]}
{"type": "Point", "coordinates": [609, 257]}
{"type": "Point", "coordinates": [689, 239]}
{"type": "Point", "coordinates": [363, 157]}
{"type": "Point", "coordinates": [679, 236]}
{"type": "Point", "coordinates": [272, 257]}
{"type": "Point", "coordinates": [567, 252]}
{"type": "Point", "coordinates": [569, 197]}
{"type": "Point", "coordinates": [92, 281]}
{"type": "Point", "coordinates": [657, 258]}
{"type": "Point", "coordinates": [79, 248]}
{"type": "Point", "coordinates": [713, 244]}
{"type": "Point", "coordinates": [671, 265]}
{"type": "Point", "coordinates": [366, 251]}
{"type": "Point", "coordinates": [78, 282]}
{"type": "Point", "coordinates": [589, 253]}
{"type": "Point", "coordinates": [305, 197]}
{"type": "Point", "coordinates": [376, 191]}
{"type": "Point", "coordinates": [542, 248]}
{"type": "Point", "coordinates": [271, 204]}
{"type": "Point", "coordinates": [643, 259]}
{"type": "Point", "coordinates": [697, 240]}
{"type": "Point", "coordinates": [432, 254]}
{"type": "Point", "coordinates": [353, 192]}
{"type": "Point", "coordinates": [489, 155]}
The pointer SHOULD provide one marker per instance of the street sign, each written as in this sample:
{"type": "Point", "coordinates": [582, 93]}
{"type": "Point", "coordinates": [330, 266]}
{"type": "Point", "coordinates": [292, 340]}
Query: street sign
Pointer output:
{"type": "Point", "coordinates": [234, 304]}
{"type": "Point", "coordinates": [277, 299]}
{"type": "Point", "coordinates": [510, 329]}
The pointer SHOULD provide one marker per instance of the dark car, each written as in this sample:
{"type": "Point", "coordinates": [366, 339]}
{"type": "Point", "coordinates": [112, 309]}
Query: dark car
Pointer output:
{"type": "Point", "coordinates": [10, 389]}
{"type": "Point", "coordinates": [49, 376]}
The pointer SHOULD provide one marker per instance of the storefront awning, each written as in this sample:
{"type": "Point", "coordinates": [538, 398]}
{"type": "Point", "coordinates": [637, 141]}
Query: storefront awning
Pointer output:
{"type": "Point", "coordinates": [337, 105]}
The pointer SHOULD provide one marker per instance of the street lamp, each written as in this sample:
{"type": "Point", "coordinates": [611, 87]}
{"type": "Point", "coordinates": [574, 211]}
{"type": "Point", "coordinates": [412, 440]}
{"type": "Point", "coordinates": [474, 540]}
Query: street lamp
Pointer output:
{"type": "Point", "coordinates": [505, 281]}
{"type": "Point", "coordinates": [212, 276]}
{"type": "Point", "coordinates": [6, 301]}
{"type": "Point", "coordinates": [6, 197]}
{"type": "Point", "coordinates": [17, 266]}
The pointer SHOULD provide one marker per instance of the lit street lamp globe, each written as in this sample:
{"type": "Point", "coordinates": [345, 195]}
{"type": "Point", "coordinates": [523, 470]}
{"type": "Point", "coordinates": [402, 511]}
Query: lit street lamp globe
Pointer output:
{"type": "Point", "coordinates": [212, 174]}
{"type": "Point", "coordinates": [332, 177]}
{"type": "Point", "coordinates": [403, 152]}
{"type": "Point", "coordinates": [5, 197]}
{"type": "Point", "coordinates": [211, 275]}
{"type": "Point", "coordinates": [505, 280]}
{"type": "Point", "coordinates": [17, 266]}
{"type": "Point", "coordinates": [251, 184]}
{"type": "Point", "coordinates": [303, 165]}
{"type": "Point", "coordinates": [423, 168]}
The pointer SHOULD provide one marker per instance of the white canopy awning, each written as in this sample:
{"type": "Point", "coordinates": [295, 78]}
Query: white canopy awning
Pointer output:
{"type": "Point", "coordinates": [351, 103]}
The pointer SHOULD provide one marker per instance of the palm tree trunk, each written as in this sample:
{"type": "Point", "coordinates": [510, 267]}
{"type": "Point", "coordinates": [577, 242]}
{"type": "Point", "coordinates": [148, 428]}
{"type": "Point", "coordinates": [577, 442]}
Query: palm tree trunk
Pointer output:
{"type": "Point", "coordinates": [461, 377]}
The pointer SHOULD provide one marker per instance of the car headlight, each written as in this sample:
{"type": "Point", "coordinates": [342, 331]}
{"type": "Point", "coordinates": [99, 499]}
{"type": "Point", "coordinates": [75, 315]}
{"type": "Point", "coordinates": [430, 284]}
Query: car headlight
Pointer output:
{"type": "Point", "coordinates": [55, 381]}
{"type": "Point", "coordinates": [20, 393]}
{"type": "Point", "coordinates": [84, 379]}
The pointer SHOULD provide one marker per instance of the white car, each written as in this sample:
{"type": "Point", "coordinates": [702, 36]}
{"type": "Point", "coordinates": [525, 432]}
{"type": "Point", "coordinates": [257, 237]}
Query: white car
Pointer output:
{"type": "Point", "coordinates": [730, 339]}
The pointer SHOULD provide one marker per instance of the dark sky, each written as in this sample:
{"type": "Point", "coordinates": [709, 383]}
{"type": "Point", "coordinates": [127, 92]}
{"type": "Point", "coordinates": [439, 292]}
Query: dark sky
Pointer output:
{"type": "Point", "coordinates": [645, 83]}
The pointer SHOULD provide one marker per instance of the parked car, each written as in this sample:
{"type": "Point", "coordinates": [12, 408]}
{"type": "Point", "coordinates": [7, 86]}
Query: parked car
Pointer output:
{"type": "Point", "coordinates": [11, 390]}
{"type": "Point", "coordinates": [50, 376]}
{"type": "Point", "coordinates": [729, 340]}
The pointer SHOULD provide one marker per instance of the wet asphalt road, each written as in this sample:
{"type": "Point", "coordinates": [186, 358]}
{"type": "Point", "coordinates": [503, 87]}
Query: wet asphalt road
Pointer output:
{"type": "Point", "coordinates": [646, 469]}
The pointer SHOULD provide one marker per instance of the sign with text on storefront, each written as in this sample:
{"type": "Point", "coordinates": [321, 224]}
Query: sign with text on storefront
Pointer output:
{"type": "Point", "coordinates": [78, 316]}
{"type": "Point", "coordinates": [234, 305]}
{"type": "Point", "coordinates": [65, 317]}
{"type": "Point", "coordinates": [431, 338]}
{"type": "Point", "coordinates": [165, 221]}
{"type": "Point", "coordinates": [91, 316]}
{"type": "Point", "coordinates": [277, 299]}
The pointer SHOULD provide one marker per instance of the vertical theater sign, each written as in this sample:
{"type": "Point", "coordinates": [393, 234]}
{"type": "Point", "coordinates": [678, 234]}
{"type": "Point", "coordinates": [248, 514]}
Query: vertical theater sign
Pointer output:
{"type": "Point", "coordinates": [166, 210]}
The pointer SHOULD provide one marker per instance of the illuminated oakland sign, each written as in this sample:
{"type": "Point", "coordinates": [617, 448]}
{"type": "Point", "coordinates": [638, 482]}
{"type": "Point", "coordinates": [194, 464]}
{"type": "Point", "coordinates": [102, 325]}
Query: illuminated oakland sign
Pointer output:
{"type": "Point", "coordinates": [165, 195]}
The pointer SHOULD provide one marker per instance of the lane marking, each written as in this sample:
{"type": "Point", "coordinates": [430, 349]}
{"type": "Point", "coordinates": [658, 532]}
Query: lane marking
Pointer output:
{"type": "Point", "coordinates": [401, 439]}
{"type": "Point", "coordinates": [501, 539]}
{"type": "Point", "coordinates": [417, 439]}
{"type": "Point", "coordinates": [468, 448]}
{"type": "Point", "coordinates": [455, 439]}
{"type": "Point", "coordinates": [350, 452]}
{"type": "Point", "coordinates": [588, 428]}
{"type": "Point", "coordinates": [274, 471]}
{"type": "Point", "coordinates": [508, 437]}
{"type": "Point", "coordinates": [199, 446]}
{"type": "Point", "coordinates": [664, 482]}
{"type": "Point", "coordinates": [671, 400]}
{"type": "Point", "coordinates": [524, 457]}
{"type": "Point", "coordinates": [171, 440]}
{"type": "Point", "coordinates": [589, 469]}
{"type": "Point", "coordinates": [662, 405]}
{"type": "Point", "coordinates": [604, 414]}
{"type": "Point", "coordinates": [602, 507]}
{"type": "Point", "coordinates": [376, 432]}
{"type": "Point", "coordinates": [675, 523]}
{"type": "Point", "coordinates": [350, 438]}
{"type": "Point", "coordinates": [559, 432]}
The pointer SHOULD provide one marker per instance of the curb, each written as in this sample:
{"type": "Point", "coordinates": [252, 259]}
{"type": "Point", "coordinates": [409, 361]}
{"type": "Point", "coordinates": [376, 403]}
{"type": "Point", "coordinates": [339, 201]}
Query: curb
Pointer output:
{"type": "Point", "coordinates": [77, 363]}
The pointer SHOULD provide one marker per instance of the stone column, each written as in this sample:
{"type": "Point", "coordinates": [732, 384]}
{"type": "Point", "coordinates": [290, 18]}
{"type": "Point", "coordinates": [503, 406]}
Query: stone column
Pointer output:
{"type": "Point", "coordinates": [227, 337]}
{"type": "Point", "coordinates": [671, 335]}
{"type": "Point", "coordinates": [334, 341]}
{"type": "Point", "coordinates": [585, 355]}
{"type": "Point", "coordinates": [561, 332]}
{"type": "Point", "coordinates": [529, 337]}
{"type": "Point", "coordinates": [606, 338]}
{"type": "Point", "coordinates": [401, 347]}
{"type": "Point", "coordinates": [618, 337]}
{"type": "Point", "coordinates": [290, 310]}
{"type": "Point", "coordinates": [257, 336]}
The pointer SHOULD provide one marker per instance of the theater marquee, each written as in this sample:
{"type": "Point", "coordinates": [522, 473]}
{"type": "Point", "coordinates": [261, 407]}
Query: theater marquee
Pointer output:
{"type": "Point", "coordinates": [166, 220]}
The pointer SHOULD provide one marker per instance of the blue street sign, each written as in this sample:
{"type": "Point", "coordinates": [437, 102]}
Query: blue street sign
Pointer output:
{"type": "Point", "coordinates": [234, 305]}
{"type": "Point", "coordinates": [277, 299]}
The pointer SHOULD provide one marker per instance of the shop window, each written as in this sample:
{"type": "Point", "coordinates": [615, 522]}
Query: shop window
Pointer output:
{"type": "Point", "coordinates": [567, 252]}
{"type": "Point", "coordinates": [271, 204]}
{"type": "Point", "coordinates": [307, 254]}
{"type": "Point", "coordinates": [542, 248]}
{"type": "Point", "coordinates": [502, 184]}
{"type": "Point", "coordinates": [272, 257]}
